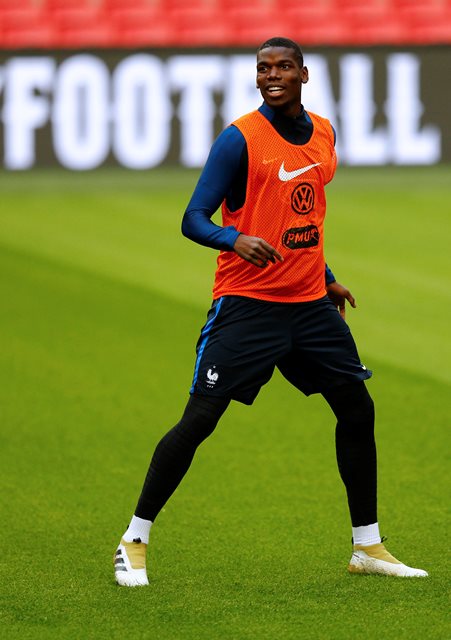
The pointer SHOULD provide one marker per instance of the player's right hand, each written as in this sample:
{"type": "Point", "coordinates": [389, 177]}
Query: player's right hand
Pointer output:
{"type": "Point", "coordinates": [256, 250]}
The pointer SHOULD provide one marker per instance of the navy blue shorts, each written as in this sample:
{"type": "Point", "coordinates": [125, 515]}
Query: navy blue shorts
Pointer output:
{"type": "Point", "coordinates": [244, 339]}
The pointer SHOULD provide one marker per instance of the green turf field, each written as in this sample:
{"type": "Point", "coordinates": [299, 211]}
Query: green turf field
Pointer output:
{"type": "Point", "coordinates": [101, 303]}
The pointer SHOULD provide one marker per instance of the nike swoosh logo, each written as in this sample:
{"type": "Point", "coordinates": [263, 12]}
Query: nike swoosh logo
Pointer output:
{"type": "Point", "coordinates": [289, 175]}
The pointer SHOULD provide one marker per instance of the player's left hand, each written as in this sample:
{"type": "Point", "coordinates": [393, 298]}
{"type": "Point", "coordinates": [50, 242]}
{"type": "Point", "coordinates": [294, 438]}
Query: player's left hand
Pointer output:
{"type": "Point", "coordinates": [339, 294]}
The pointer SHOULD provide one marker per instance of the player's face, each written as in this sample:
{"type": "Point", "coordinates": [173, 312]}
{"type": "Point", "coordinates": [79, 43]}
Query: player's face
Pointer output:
{"type": "Point", "coordinates": [280, 78]}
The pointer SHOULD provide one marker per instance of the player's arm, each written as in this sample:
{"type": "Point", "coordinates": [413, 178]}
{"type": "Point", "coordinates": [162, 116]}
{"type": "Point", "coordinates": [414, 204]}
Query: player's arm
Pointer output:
{"type": "Point", "coordinates": [221, 172]}
{"type": "Point", "coordinates": [336, 291]}
{"type": "Point", "coordinates": [256, 250]}
{"type": "Point", "coordinates": [214, 184]}
{"type": "Point", "coordinates": [330, 278]}
{"type": "Point", "coordinates": [339, 294]}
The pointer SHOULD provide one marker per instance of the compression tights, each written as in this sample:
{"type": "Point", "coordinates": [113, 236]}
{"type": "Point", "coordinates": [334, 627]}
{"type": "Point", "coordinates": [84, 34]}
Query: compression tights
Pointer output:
{"type": "Point", "coordinates": [356, 451]}
{"type": "Point", "coordinates": [175, 452]}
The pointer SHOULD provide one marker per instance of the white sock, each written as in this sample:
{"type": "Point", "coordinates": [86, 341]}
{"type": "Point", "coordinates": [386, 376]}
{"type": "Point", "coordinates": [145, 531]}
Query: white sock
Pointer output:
{"type": "Point", "coordinates": [138, 528]}
{"type": "Point", "coordinates": [366, 535]}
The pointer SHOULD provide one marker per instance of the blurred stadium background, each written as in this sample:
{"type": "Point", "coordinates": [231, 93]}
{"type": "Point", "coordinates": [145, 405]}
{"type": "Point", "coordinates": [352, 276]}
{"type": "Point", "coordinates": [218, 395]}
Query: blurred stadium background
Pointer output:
{"type": "Point", "coordinates": [140, 83]}
{"type": "Point", "coordinates": [178, 23]}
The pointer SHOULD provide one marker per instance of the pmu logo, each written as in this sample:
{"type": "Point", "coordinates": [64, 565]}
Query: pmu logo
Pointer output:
{"type": "Point", "coordinates": [303, 198]}
{"type": "Point", "coordinates": [301, 237]}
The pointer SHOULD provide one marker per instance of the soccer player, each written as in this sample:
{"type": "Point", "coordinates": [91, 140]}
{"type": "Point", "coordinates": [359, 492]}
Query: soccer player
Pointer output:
{"type": "Point", "coordinates": [275, 304]}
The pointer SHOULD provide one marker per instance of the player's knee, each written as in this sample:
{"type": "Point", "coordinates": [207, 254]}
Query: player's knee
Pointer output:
{"type": "Point", "coordinates": [200, 417]}
{"type": "Point", "coordinates": [362, 404]}
{"type": "Point", "coordinates": [353, 406]}
{"type": "Point", "coordinates": [358, 420]}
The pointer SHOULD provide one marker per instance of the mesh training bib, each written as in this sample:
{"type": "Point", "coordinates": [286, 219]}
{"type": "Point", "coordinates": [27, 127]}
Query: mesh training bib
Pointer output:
{"type": "Point", "coordinates": [285, 205]}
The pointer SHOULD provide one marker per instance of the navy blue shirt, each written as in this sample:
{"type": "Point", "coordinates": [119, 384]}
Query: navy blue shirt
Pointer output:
{"type": "Point", "coordinates": [225, 177]}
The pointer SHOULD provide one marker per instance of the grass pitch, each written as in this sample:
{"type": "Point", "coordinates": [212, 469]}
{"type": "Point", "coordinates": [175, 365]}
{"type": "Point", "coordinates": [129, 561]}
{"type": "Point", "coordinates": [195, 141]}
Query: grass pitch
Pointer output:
{"type": "Point", "coordinates": [102, 300]}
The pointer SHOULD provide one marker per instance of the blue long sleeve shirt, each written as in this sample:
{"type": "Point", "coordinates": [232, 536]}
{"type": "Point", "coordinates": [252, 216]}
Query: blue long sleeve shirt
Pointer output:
{"type": "Point", "coordinates": [224, 177]}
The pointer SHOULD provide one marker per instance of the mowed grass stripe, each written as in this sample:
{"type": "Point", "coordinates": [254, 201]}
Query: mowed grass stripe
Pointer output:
{"type": "Point", "coordinates": [131, 235]}
{"type": "Point", "coordinates": [238, 559]}
{"type": "Point", "coordinates": [255, 542]}
{"type": "Point", "coordinates": [386, 238]}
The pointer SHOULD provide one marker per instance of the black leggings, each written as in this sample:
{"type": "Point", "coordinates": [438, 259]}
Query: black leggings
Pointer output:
{"type": "Point", "coordinates": [356, 451]}
{"type": "Point", "coordinates": [175, 452]}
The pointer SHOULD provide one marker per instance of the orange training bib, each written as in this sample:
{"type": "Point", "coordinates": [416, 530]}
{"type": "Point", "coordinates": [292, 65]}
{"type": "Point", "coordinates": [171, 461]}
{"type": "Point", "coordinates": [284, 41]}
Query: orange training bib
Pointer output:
{"type": "Point", "coordinates": [285, 205]}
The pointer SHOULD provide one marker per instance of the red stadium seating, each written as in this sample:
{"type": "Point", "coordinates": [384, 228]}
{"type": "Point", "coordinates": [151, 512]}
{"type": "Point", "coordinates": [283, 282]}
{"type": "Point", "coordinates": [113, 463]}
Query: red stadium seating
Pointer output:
{"type": "Point", "coordinates": [189, 23]}
{"type": "Point", "coordinates": [25, 27]}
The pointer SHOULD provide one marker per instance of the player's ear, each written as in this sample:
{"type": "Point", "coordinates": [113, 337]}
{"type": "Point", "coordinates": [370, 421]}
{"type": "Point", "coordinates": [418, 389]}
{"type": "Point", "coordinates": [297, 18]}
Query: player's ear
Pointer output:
{"type": "Point", "coordinates": [304, 75]}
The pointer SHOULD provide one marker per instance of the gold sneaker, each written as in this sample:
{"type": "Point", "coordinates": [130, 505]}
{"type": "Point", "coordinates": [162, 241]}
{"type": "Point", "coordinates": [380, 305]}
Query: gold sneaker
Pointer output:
{"type": "Point", "coordinates": [130, 564]}
{"type": "Point", "coordinates": [376, 559]}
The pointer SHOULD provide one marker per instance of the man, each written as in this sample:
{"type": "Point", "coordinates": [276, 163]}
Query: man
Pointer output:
{"type": "Point", "coordinates": [275, 303]}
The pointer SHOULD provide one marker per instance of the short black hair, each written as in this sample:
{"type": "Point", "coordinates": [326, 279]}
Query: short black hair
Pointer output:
{"type": "Point", "coordinates": [284, 42]}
